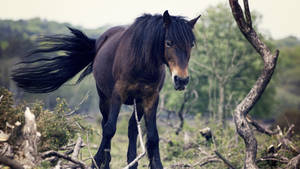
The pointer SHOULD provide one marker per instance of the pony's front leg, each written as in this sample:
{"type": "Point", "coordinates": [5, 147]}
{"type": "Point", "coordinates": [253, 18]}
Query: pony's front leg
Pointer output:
{"type": "Point", "coordinates": [102, 157]}
{"type": "Point", "coordinates": [150, 108]}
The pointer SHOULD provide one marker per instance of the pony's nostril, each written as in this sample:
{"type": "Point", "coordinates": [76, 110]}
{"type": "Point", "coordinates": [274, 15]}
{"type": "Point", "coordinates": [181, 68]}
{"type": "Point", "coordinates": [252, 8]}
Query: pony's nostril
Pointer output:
{"type": "Point", "coordinates": [176, 78]}
{"type": "Point", "coordinates": [186, 80]}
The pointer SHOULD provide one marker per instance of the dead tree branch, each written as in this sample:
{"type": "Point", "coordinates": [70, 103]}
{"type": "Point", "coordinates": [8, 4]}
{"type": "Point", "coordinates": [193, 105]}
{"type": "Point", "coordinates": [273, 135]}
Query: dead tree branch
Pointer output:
{"type": "Point", "coordinates": [52, 153]}
{"type": "Point", "coordinates": [240, 112]}
{"type": "Point", "coordinates": [229, 165]}
{"type": "Point", "coordinates": [77, 148]}
{"type": "Point", "coordinates": [140, 138]}
{"type": "Point", "coordinates": [283, 160]}
{"type": "Point", "coordinates": [200, 163]}
{"type": "Point", "coordinates": [30, 135]}
{"type": "Point", "coordinates": [13, 164]}
{"type": "Point", "coordinates": [89, 150]}
{"type": "Point", "coordinates": [261, 128]}
{"type": "Point", "coordinates": [285, 142]}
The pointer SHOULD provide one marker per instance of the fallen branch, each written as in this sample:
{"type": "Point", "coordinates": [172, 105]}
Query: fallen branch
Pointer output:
{"type": "Point", "coordinates": [140, 139]}
{"type": "Point", "coordinates": [229, 165]}
{"type": "Point", "coordinates": [13, 164]}
{"type": "Point", "coordinates": [77, 148]}
{"type": "Point", "coordinates": [52, 153]}
{"type": "Point", "coordinates": [200, 163]}
{"type": "Point", "coordinates": [280, 159]}
{"type": "Point", "coordinates": [207, 160]}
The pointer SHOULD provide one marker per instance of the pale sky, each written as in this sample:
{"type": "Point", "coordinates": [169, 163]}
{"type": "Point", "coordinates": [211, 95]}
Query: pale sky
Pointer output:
{"type": "Point", "coordinates": [280, 17]}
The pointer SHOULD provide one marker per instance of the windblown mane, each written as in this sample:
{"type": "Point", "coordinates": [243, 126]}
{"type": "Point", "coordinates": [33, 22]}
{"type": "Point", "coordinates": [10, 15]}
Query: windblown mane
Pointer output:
{"type": "Point", "coordinates": [148, 36]}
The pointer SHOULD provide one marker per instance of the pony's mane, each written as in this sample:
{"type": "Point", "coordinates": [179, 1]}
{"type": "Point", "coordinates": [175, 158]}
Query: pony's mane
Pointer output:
{"type": "Point", "coordinates": [148, 36]}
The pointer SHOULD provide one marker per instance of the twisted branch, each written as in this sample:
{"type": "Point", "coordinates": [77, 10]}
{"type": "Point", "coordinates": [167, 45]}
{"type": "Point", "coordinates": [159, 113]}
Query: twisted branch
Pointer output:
{"type": "Point", "coordinates": [241, 111]}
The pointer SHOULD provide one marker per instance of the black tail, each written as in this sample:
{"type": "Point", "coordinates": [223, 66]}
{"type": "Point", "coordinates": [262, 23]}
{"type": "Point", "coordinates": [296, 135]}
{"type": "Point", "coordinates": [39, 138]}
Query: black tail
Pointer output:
{"type": "Point", "coordinates": [46, 74]}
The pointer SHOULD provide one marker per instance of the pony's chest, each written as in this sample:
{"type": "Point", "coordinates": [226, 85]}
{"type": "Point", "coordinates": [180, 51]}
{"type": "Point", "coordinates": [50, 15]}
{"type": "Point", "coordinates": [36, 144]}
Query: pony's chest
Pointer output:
{"type": "Point", "coordinates": [128, 92]}
{"type": "Point", "coordinates": [142, 90]}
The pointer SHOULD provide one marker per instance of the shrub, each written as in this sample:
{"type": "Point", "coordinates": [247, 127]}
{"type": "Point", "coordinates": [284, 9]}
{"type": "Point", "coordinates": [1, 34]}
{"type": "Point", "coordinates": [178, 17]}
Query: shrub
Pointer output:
{"type": "Point", "coordinates": [55, 128]}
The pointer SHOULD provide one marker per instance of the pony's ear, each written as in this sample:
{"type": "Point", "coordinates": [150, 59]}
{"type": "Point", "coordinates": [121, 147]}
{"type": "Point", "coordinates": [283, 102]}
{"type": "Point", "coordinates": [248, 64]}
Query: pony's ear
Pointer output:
{"type": "Point", "coordinates": [193, 21]}
{"type": "Point", "coordinates": [166, 18]}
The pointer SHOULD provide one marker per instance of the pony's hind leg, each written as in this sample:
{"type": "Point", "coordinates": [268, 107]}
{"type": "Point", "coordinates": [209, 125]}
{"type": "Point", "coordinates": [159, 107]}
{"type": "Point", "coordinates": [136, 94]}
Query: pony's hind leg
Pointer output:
{"type": "Point", "coordinates": [132, 136]}
{"type": "Point", "coordinates": [102, 156]}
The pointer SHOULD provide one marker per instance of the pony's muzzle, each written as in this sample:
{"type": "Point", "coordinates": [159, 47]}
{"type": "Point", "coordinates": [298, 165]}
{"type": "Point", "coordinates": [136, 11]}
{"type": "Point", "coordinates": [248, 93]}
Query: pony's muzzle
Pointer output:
{"type": "Point", "coordinates": [180, 83]}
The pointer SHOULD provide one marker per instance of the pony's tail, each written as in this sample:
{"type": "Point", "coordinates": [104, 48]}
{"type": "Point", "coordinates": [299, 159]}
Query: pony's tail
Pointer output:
{"type": "Point", "coordinates": [40, 73]}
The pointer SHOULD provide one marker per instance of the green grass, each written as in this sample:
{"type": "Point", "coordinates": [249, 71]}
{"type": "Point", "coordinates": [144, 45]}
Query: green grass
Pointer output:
{"type": "Point", "coordinates": [182, 148]}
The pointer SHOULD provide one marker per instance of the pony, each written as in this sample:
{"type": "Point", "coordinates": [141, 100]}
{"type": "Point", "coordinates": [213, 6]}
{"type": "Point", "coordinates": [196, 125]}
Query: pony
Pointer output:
{"type": "Point", "coordinates": [128, 63]}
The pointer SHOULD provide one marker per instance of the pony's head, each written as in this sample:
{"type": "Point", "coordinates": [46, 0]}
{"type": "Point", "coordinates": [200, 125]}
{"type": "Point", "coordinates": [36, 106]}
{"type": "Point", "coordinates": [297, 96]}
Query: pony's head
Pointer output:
{"type": "Point", "coordinates": [179, 40]}
{"type": "Point", "coordinates": [160, 39]}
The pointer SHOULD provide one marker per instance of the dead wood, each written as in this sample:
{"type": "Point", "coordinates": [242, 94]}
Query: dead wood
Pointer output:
{"type": "Point", "coordinates": [269, 59]}
{"type": "Point", "coordinates": [52, 153]}
{"type": "Point", "coordinates": [13, 164]}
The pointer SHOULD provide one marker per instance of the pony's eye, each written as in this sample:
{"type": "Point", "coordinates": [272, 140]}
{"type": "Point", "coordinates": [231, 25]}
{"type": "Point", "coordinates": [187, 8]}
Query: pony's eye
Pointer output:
{"type": "Point", "coordinates": [193, 44]}
{"type": "Point", "coordinates": [169, 43]}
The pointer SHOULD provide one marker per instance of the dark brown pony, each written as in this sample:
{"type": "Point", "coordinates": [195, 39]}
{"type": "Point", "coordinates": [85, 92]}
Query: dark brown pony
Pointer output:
{"type": "Point", "coordinates": [128, 62]}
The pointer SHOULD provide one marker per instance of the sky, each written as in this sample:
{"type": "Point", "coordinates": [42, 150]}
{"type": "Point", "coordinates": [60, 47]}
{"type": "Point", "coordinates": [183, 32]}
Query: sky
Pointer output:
{"type": "Point", "coordinates": [280, 18]}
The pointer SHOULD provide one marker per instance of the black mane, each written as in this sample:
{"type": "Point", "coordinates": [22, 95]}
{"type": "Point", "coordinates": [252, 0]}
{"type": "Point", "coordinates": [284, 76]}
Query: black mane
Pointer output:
{"type": "Point", "coordinates": [148, 36]}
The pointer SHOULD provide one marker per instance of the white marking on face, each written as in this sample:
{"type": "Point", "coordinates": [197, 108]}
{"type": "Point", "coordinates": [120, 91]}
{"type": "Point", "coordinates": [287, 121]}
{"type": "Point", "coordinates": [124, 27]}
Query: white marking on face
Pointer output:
{"type": "Point", "coordinates": [174, 73]}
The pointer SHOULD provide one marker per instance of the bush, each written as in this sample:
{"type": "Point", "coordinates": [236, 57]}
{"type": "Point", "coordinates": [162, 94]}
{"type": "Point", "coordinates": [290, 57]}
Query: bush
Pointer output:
{"type": "Point", "coordinates": [55, 128]}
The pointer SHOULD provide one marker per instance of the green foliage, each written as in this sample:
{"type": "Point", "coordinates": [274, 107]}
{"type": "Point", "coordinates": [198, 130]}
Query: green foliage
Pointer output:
{"type": "Point", "coordinates": [9, 113]}
{"type": "Point", "coordinates": [55, 128]}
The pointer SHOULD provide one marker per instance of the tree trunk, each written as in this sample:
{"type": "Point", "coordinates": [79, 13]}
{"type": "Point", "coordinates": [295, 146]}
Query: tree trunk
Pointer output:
{"type": "Point", "coordinates": [30, 140]}
{"type": "Point", "coordinates": [241, 111]}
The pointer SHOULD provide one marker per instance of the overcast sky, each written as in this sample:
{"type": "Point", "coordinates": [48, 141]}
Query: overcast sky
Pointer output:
{"type": "Point", "coordinates": [280, 17]}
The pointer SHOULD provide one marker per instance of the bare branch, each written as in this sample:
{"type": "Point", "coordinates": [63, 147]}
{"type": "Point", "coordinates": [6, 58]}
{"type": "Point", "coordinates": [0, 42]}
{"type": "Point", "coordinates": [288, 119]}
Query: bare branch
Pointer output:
{"type": "Point", "coordinates": [59, 155]}
{"type": "Point", "coordinates": [261, 128]}
{"type": "Point", "coordinates": [224, 160]}
{"type": "Point", "coordinates": [285, 142]}
{"type": "Point", "coordinates": [200, 163]}
{"type": "Point", "coordinates": [140, 139]}
{"type": "Point", "coordinates": [13, 164]}
{"type": "Point", "coordinates": [283, 160]}
{"type": "Point", "coordinates": [77, 148]}
{"type": "Point", "coordinates": [247, 13]}
{"type": "Point", "coordinates": [204, 162]}
{"type": "Point", "coordinates": [89, 150]}
{"type": "Point", "coordinates": [260, 85]}
{"type": "Point", "coordinates": [289, 132]}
